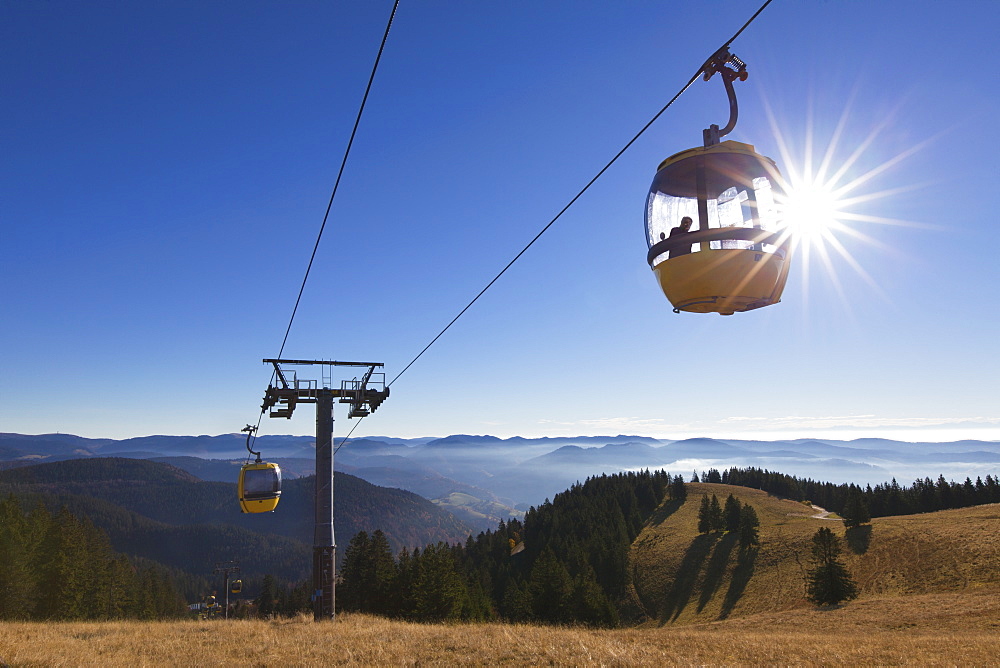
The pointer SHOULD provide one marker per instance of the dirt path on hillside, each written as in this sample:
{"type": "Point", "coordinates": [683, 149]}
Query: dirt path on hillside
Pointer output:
{"type": "Point", "coordinates": [823, 514]}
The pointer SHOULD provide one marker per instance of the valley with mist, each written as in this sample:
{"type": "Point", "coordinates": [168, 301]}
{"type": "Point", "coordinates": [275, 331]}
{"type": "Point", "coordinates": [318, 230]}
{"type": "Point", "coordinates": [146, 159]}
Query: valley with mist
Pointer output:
{"type": "Point", "coordinates": [483, 479]}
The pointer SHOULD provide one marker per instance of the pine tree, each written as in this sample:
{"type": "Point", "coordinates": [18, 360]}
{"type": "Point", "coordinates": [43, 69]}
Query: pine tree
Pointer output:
{"type": "Point", "coordinates": [678, 490]}
{"type": "Point", "coordinates": [351, 592]}
{"type": "Point", "coordinates": [829, 582]}
{"type": "Point", "coordinates": [403, 602]}
{"type": "Point", "coordinates": [550, 588]}
{"type": "Point", "coordinates": [367, 575]}
{"type": "Point", "coordinates": [855, 512]}
{"type": "Point", "coordinates": [62, 571]}
{"type": "Point", "coordinates": [749, 524]}
{"type": "Point", "coordinates": [588, 603]}
{"type": "Point", "coordinates": [731, 513]}
{"type": "Point", "coordinates": [439, 591]}
{"type": "Point", "coordinates": [716, 518]}
{"type": "Point", "coordinates": [704, 515]}
{"type": "Point", "coordinates": [122, 590]}
{"type": "Point", "coordinates": [268, 598]}
{"type": "Point", "coordinates": [380, 572]}
{"type": "Point", "coordinates": [517, 602]}
{"type": "Point", "coordinates": [16, 572]}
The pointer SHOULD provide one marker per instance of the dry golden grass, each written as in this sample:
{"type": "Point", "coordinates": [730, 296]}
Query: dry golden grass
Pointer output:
{"type": "Point", "coordinates": [930, 596]}
{"type": "Point", "coordinates": [681, 577]}
{"type": "Point", "coordinates": [935, 629]}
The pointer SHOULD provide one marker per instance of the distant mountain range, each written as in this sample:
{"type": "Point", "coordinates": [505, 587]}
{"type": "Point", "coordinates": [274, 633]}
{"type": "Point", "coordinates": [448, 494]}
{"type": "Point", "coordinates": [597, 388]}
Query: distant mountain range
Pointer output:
{"type": "Point", "coordinates": [482, 479]}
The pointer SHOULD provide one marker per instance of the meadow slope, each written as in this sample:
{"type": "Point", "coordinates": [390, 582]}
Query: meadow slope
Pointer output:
{"type": "Point", "coordinates": [929, 629]}
{"type": "Point", "coordinates": [683, 577]}
{"type": "Point", "coordinates": [929, 597]}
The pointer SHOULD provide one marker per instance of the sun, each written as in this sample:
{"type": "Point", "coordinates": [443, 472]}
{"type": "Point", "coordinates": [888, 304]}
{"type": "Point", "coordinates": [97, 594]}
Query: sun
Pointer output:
{"type": "Point", "coordinates": [825, 194]}
{"type": "Point", "coordinates": [810, 211]}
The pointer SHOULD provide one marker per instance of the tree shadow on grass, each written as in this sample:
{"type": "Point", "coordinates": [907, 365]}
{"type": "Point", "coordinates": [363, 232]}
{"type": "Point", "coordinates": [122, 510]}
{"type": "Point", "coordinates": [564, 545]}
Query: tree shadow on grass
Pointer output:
{"type": "Point", "coordinates": [741, 576]}
{"type": "Point", "coordinates": [687, 576]}
{"type": "Point", "coordinates": [716, 568]}
{"type": "Point", "coordinates": [859, 538]}
{"type": "Point", "coordinates": [664, 511]}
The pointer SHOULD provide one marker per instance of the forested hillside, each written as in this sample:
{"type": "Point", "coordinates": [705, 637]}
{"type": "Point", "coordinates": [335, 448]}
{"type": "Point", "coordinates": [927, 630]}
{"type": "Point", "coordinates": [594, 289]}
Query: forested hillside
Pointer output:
{"type": "Point", "coordinates": [632, 547]}
{"type": "Point", "coordinates": [157, 512]}
{"type": "Point", "coordinates": [166, 494]}
{"type": "Point", "coordinates": [882, 500]}
{"type": "Point", "coordinates": [59, 566]}
{"type": "Point", "coordinates": [566, 563]}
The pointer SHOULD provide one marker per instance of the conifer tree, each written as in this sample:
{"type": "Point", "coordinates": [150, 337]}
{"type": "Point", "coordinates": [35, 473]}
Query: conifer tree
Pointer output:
{"type": "Point", "coordinates": [517, 601]}
{"type": "Point", "coordinates": [588, 603]}
{"type": "Point", "coordinates": [749, 524]}
{"type": "Point", "coordinates": [379, 574]}
{"type": "Point", "coordinates": [704, 515]}
{"type": "Point", "coordinates": [16, 573]}
{"type": "Point", "coordinates": [731, 513]}
{"type": "Point", "coordinates": [267, 600]}
{"type": "Point", "coordinates": [438, 592]}
{"type": "Point", "coordinates": [350, 593]}
{"type": "Point", "coordinates": [855, 512]}
{"type": "Point", "coordinates": [567, 568]}
{"type": "Point", "coordinates": [404, 604]}
{"type": "Point", "coordinates": [829, 583]}
{"type": "Point", "coordinates": [716, 519]}
{"type": "Point", "coordinates": [550, 587]}
{"type": "Point", "coordinates": [63, 568]}
{"type": "Point", "coordinates": [678, 490]}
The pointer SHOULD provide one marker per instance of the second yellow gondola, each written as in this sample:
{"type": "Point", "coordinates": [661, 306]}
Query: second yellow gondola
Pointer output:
{"type": "Point", "coordinates": [259, 487]}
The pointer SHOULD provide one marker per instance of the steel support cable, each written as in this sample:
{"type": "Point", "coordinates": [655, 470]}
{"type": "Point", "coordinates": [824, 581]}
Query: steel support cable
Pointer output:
{"type": "Point", "coordinates": [578, 195]}
{"type": "Point", "coordinates": [565, 208]}
{"type": "Point", "coordinates": [346, 438]}
{"type": "Point", "coordinates": [333, 194]}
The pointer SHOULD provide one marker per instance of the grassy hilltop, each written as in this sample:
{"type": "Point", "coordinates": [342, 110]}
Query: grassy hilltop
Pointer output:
{"type": "Point", "coordinates": [681, 576]}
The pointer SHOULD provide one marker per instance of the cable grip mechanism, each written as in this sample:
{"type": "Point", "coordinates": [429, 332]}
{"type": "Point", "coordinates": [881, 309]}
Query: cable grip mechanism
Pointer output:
{"type": "Point", "coordinates": [249, 429]}
{"type": "Point", "coordinates": [731, 68]}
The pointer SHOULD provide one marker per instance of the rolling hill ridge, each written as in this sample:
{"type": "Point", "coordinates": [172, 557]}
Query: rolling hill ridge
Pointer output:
{"type": "Point", "coordinates": [681, 576]}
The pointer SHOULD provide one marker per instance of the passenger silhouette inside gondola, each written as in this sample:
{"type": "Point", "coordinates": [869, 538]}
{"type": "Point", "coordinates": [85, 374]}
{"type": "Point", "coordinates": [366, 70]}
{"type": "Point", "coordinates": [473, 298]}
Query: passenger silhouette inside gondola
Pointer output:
{"type": "Point", "coordinates": [683, 228]}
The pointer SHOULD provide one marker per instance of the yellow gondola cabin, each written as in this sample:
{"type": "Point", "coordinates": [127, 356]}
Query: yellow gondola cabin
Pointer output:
{"type": "Point", "coordinates": [716, 243]}
{"type": "Point", "coordinates": [713, 231]}
{"type": "Point", "coordinates": [259, 487]}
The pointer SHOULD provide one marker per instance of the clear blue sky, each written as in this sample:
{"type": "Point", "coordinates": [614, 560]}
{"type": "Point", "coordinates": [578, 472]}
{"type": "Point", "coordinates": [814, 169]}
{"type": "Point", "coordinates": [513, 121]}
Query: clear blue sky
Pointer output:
{"type": "Point", "coordinates": [166, 166]}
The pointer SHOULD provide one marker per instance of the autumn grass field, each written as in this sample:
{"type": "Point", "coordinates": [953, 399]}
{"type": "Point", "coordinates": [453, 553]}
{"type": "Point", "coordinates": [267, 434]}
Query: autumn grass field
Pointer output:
{"type": "Point", "coordinates": [930, 595]}
{"type": "Point", "coordinates": [682, 577]}
{"type": "Point", "coordinates": [931, 629]}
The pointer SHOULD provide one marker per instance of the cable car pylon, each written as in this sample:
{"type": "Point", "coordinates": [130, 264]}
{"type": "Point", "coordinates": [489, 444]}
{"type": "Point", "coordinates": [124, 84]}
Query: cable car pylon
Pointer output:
{"type": "Point", "coordinates": [226, 568]}
{"type": "Point", "coordinates": [364, 396]}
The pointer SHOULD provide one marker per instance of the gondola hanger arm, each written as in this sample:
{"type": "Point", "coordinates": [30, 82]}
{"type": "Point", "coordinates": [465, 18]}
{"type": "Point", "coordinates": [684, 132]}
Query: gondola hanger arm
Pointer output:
{"type": "Point", "coordinates": [250, 429]}
{"type": "Point", "coordinates": [731, 68]}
